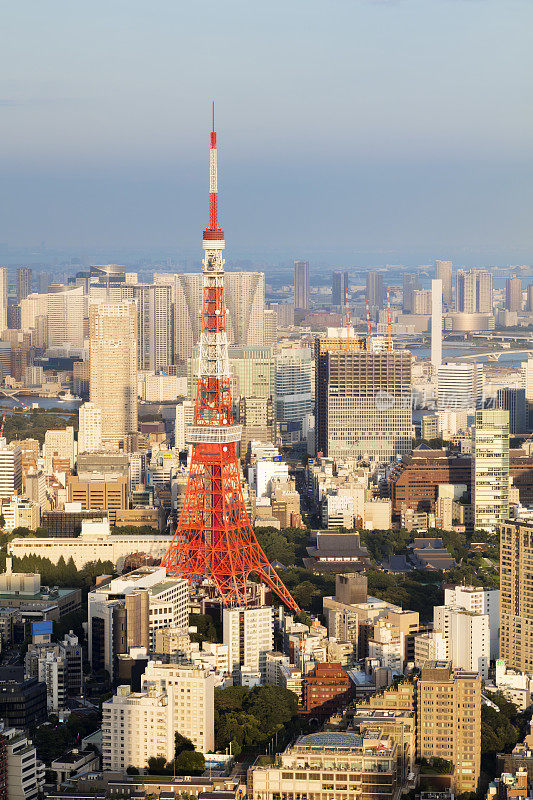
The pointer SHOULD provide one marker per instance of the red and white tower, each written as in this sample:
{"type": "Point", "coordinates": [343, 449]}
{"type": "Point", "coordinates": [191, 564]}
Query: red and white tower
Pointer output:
{"type": "Point", "coordinates": [214, 538]}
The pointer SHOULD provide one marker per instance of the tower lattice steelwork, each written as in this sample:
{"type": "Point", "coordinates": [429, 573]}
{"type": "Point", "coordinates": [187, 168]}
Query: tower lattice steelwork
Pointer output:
{"type": "Point", "coordinates": [214, 538]}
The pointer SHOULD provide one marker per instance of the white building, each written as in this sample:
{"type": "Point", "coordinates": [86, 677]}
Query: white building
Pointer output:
{"type": "Point", "coordinates": [266, 468]}
{"type": "Point", "coordinates": [386, 645]}
{"type": "Point", "coordinates": [431, 646]}
{"type": "Point", "coordinates": [24, 773]}
{"type": "Point", "coordinates": [90, 428]}
{"type": "Point", "coordinates": [21, 513]}
{"type": "Point", "coordinates": [10, 470]}
{"type": "Point", "coordinates": [137, 726]}
{"type": "Point", "coordinates": [293, 381]}
{"type": "Point", "coordinates": [459, 386]}
{"type": "Point", "coordinates": [59, 445]}
{"type": "Point", "coordinates": [490, 469]}
{"type": "Point", "coordinates": [192, 702]}
{"type": "Point", "coordinates": [480, 601]}
{"type": "Point", "coordinates": [436, 323]}
{"type": "Point", "coordinates": [66, 311]}
{"type": "Point", "coordinates": [467, 638]}
{"type": "Point", "coordinates": [53, 672]}
{"type": "Point", "coordinates": [184, 418]}
{"type": "Point", "coordinates": [249, 634]}
{"type": "Point", "coordinates": [515, 686]}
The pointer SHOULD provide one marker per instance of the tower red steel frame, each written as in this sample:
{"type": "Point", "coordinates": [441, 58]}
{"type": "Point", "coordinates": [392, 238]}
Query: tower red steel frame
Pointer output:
{"type": "Point", "coordinates": [214, 538]}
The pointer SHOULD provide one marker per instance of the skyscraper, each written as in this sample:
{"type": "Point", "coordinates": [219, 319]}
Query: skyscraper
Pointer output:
{"type": "Point", "coordinates": [436, 323]}
{"type": "Point", "coordinates": [90, 428]}
{"type": "Point", "coordinates": [473, 291]}
{"type": "Point", "coordinates": [513, 294]}
{"type": "Point", "coordinates": [410, 285]}
{"type": "Point", "coordinates": [113, 369]}
{"type": "Point", "coordinates": [66, 311]}
{"type": "Point", "coordinates": [459, 386]}
{"type": "Point", "coordinates": [301, 284]}
{"type": "Point", "coordinates": [294, 373]}
{"type": "Point", "coordinates": [513, 401]}
{"type": "Point", "coordinates": [3, 299]}
{"type": "Point", "coordinates": [363, 400]}
{"type": "Point", "coordinates": [443, 271]}
{"type": "Point", "coordinates": [24, 282]}
{"type": "Point", "coordinates": [374, 288]}
{"type": "Point", "coordinates": [516, 588]}
{"type": "Point", "coordinates": [339, 287]}
{"type": "Point", "coordinates": [490, 469]}
{"type": "Point", "coordinates": [529, 302]}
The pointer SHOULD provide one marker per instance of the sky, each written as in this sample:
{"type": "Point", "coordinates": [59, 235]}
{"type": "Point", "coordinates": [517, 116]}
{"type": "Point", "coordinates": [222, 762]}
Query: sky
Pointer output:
{"type": "Point", "coordinates": [350, 131]}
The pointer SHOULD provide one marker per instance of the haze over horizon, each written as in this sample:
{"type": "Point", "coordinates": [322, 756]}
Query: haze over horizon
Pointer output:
{"type": "Point", "coordinates": [347, 131]}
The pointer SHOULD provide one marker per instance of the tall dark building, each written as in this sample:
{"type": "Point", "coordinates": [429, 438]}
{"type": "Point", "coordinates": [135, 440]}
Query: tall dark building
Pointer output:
{"type": "Point", "coordinates": [513, 294]}
{"type": "Point", "coordinates": [514, 401]}
{"type": "Point", "coordinates": [22, 700]}
{"type": "Point", "coordinates": [339, 287]}
{"type": "Point", "coordinates": [411, 284]}
{"type": "Point", "coordinates": [24, 283]}
{"type": "Point", "coordinates": [374, 288]}
{"type": "Point", "coordinates": [301, 284]}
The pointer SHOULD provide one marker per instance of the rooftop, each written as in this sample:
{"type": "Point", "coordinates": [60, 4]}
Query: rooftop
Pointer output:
{"type": "Point", "coordinates": [335, 740]}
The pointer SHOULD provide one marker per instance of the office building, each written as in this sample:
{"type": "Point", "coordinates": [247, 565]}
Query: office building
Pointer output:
{"type": "Point", "coordinates": [478, 600]}
{"type": "Point", "coordinates": [184, 418]}
{"type": "Point", "coordinates": [256, 415]}
{"type": "Point", "coordinates": [10, 470]}
{"type": "Point", "coordinates": [90, 428]}
{"type": "Point", "coordinates": [429, 646]}
{"type": "Point", "coordinates": [473, 291]}
{"type": "Point", "coordinates": [422, 301]}
{"type": "Point", "coordinates": [374, 289]}
{"type": "Point", "coordinates": [102, 491]}
{"type": "Point", "coordinates": [301, 284]}
{"type": "Point", "coordinates": [244, 293]}
{"type": "Point", "coordinates": [113, 369]}
{"type": "Point", "coordinates": [251, 373]}
{"type": "Point", "coordinates": [429, 428]}
{"type": "Point", "coordinates": [449, 721]}
{"type": "Point", "coordinates": [126, 612]}
{"type": "Point", "coordinates": [513, 294]}
{"type": "Point", "coordinates": [490, 469]}
{"type": "Point", "coordinates": [59, 450]}
{"type": "Point", "coordinates": [294, 383]}
{"type": "Point", "coordinates": [516, 599]}
{"type": "Point", "coordinates": [271, 327]}
{"type": "Point", "coordinates": [436, 324]}
{"type": "Point", "coordinates": [339, 288]}
{"type": "Point", "coordinates": [20, 512]}
{"type": "Point", "coordinates": [459, 386]}
{"type": "Point", "coordinates": [529, 301]}
{"type": "Point", "coordinates": [514, 402]}
{"type": "Point", "coordinates": [325, 766]}
{"type": "Point", "coordinates": [24, 283]}
{"type": "Point", "coordinates": [410, 285]}
{"type": "Point", "coordinates": [193, 699]}
{"type": "Point", "coordinates": [3, 299]}
{"type": "Point", "coordinates": [65, 315]}
{"type": "Point", "coordinates": [22, 700]}
{"type": "Point", "coordinates": [443, 272]}
{"type": "Point", "coordinates": [21, 774]}
{"type": "Point", "coordinates": [249, 635]}
{"type": "Point", "coordinates": [363, 400]}
{"type": "Point", "coordinates": [467, 638]}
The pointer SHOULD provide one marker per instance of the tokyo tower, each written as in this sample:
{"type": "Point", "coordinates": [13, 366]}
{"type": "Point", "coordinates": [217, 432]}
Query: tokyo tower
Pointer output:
{"type": "Point", "coordinates": [214, 538]}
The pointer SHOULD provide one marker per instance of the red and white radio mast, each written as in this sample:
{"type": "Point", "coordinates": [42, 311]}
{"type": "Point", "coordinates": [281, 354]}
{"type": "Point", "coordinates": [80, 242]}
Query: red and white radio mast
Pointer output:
{"type": "Point", "coordinates": [214, 538]}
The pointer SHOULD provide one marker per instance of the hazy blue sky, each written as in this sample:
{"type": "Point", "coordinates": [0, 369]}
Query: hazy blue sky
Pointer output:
{"type": "Point", "coordinates": [349, 129]}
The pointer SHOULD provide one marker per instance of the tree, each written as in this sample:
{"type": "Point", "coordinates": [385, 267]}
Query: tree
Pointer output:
{"type": "Point", "coordinates": [189, 762]}
{"type": "Point", "coordinates": [2, 521]}
{"type": "Point", "coordinates": [157, 765]}
{"type": "Point", "coordinates": [131, 770]}
{"type": "Point", "coordinates": [181, 744]}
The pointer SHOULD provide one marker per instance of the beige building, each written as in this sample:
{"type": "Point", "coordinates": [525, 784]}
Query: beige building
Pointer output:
{"type": "Point", "coordinates": [516, 595]}
{"type": "Point", "coordinates": [430, 646]}
{"type": "Point", "coordinates": [19, 512]}
{"type": "Point", "coordinates": [399, 725]}
{"type": "Point", "coordinates": [330, 766]}
{"type": "Point", "coordinates": [90, 428]}
{"type": "Point", "coordinates": [192, 701]}
{"type": "Point", "coordinates": [449, 720]}
{"type": "Point", "coordinates": [490, 469]}
{"type": "Point", "coordinates": [58, 450]}
{"type": "Point", "coordinates": [113, 369]}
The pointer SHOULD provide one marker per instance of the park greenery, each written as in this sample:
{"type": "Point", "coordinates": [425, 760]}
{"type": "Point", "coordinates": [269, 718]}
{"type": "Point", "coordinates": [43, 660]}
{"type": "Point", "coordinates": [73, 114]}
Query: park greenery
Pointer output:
{"type": "Point", "coordinates": [54, 737]}
{"type": "Point", "coordinates": [34, 424]}
{"type": "Point", "coordinates": [500, 731]}
{"type": "Point", "coordinates": [186, 760]}
{"type": "Point", "coordinates": [247, 719]}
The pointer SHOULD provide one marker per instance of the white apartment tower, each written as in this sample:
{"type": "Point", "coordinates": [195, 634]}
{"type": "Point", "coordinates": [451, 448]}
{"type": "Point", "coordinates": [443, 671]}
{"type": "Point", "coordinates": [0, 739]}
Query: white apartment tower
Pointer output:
{"type": "Point", "coordinates": [249, 634]}
{"type": "Point", "coordinates": [10, 470]}
{"type": "Point", "coordinates": [467, 638]}
{"type": "Point", "coordinates": [459, 386]}
{"type": "Point", "coordinates": [113, 369]}
{"type": "Point", "coordinates": [3, 299]}
{"type": "Point", "coordinates": [90, 428]}
{"type": "Point", "coordinates": [490, 469]}
{"type": "Point", "coordinates": [66, 311]}
{"type": "Point", "coordinates": [478, 600]}
{"type": "Point", "coordinates": [436, 324]}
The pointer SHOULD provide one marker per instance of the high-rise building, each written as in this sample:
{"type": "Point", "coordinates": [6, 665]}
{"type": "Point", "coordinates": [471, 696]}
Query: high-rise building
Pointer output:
{"type": "Point", "coordinates": [363, 399]}
{"type": "Point", "coordinates": [271, 326]}
{"type": "Point", "coordinates": [422, 301]}
{"type": "Point", "coordinates": [490, 469]}
{"type": "Point", "coordinates": [90, 428]}
{"type": "Point", "coordinates": [410, 285]}
{"type": "Point", "coordinates": [443, 272]}
{"type": "Point", "coordinates": [473, 291]}
{"type": "Point", "coordinates": [22, 774]}
{"type": "Point", "coordinates": [374, 288]}
{"type": "Point", "coordinates": [59, 454]}
{"type": "Point", "coordinates": [251, 372]}
{"type": "Point", "coordinates": [513, 401]}
{"type": "Point", "coordinates": [436, 323]}
{"type": "Point", "coordinates": [24, 283]}
{"type": "Point", "coordinates": [516, 587]}
{"type": "Point", "coordinates": [301, 284]}
{"type": "Point", "coordinates": [513, 294]}
{"type": "Point", "coordinates": [339, 287]}
{"type": "Point", "coordinates": [245, 315]}
{"type": "Point", "coordinates": [529, 302]}
{"type": "Point", "coordinates": [66, 311]}
{"type": "Point", "coordinates": [478, 600]}
{"type": "Point", "coordinates": [154, 329]}
{"type": "Point", "coordinates": [467, 637]}
{"type": "Point", "coordinates": [113, 369]}
{"type": "Point", "coordinates": [459, 385]}
{"type": "Point", "coordinates": [294, 379]}
{"type": "Point", "coordinates": [449, 720]}
{"type": "Point", "coordinates": [249, 634]}
{"type": "Point", "coordinates": [10, 470]}
{"type": "Point", "coordinates": [3, 299]}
